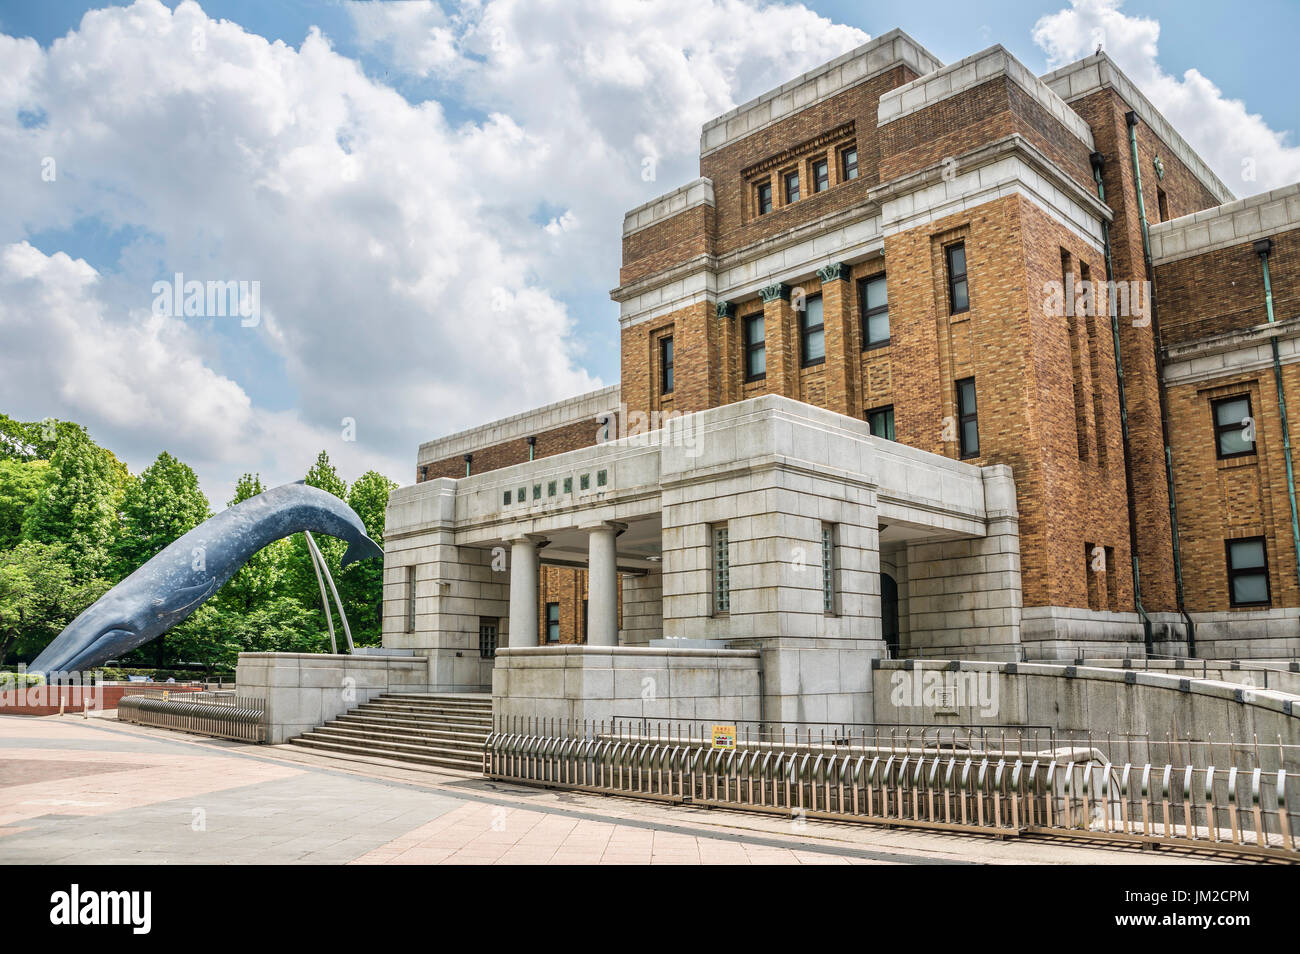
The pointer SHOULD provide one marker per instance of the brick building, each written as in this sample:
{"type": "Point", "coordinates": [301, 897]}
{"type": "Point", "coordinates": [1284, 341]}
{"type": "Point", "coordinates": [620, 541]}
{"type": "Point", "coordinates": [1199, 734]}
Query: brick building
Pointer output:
{"type": "Point", "coordinates": [990, 352]}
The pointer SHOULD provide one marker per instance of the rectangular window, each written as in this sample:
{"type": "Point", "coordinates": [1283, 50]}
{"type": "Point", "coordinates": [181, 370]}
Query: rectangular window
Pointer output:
{"type": "Point", "coordinates": [666, 365]}
{"type": "Point", "coordinates": [410, 599]}
{"type": "Point", "coordinates": [1162, 203]}
{"type": "Point", "coordinates": [586, 618]}
{"type": "Point", "coordinates": [968, 430]}
{"type": "Point", "coordinates": [552, 622]}
{"type": "Point", "coordinates": [791, 187]}
{"type": "Point", "coordinates": [1247, 572]}
{"type": "Point", "coordinates": [1234, 427]}
{"type": "Point", "coordinates": [763, 198]}
{"type": "Point", "coordinates": [821, 174]}
{"type": "Point", "coordinates": [812, 332]}
{"type": "Point", "coordinates": [849, 163]}
{"type": "Point", "coordinates": [958, 292]}
{"type": "Point", "coordinates": [487, 637]}
{"type": "Point", "coordinates": [721, 571]}
{"type": "Point", "coordinates": [1072, 330]}
{"type": "Point", "coordinates": [881, 421]}
{"type": "Point", "coordinates": [828, 569]}
{"type": "Point", "coordinates": [755, 346]}
{"type": "Point", "coordinates": [873, 304]}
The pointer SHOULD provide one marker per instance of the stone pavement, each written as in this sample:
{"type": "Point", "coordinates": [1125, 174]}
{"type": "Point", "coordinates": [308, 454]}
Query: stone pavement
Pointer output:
{"type": "Point", "coordinates": [102, 792]}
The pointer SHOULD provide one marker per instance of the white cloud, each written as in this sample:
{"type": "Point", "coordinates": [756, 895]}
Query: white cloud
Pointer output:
{"type": "Point", "coordinates": [1222, 130]}
{"type": "Point", "coordinates": [406, 278]}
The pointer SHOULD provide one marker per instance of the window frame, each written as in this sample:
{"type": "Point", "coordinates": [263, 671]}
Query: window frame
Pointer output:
{"type": "Point", "coordinates": [866, 315]}
{"type": "Point", "coordinates": [805, 330]}
{"type": "Point", "coordinates": [720, 570]}
{"type": "Point", "coordinates": [830, 592]}
{"type": "Point", "coordinates": [667, 365]}
{"type": "Point", "coordinates": [552, 622]}
{"type": "Point", "coordinates": [953, 278]}
{"type": "Point", "coordinates": [1233, 573]}
{"type": "Point", "coordinates": [882, 409]}
{"type": "Point", "coordinates": [410, 599]}
{"type": "Point", "coordinates": [786, 179]}
{"type": "Point", "coordinates": [820, 183]}
{"type": "Point", "coordinates": [762, 190]}
{"type": "Point", "coordinates": [1221, 429]}
{"type": "Point", "coordinates": [964, 415]}
{"type": "Point", "coordinates": [488, 641]}
{"type": "Point", "coordinates": [845, 174]}
{"type": "Point", "coordinates": [751, 347]}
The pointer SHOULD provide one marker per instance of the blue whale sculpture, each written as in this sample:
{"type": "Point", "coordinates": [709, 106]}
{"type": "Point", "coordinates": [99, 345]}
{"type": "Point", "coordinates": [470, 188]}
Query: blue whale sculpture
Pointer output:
{"type": "Point", "coordinates": [179, 578]}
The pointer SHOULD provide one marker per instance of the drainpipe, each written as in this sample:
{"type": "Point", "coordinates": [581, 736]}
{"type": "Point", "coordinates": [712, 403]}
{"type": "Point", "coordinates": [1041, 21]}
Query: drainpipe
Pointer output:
{"type": "Point", "coordinates": [1262, 248]}
{"type": "Point", "coordinates": [1131, 119]}
{"type": "Point", "coordinates": [1098, 161]}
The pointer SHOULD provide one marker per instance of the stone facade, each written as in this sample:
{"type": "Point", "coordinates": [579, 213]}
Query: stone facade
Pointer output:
{"type": "Point", "coordinates": [1110, 291]}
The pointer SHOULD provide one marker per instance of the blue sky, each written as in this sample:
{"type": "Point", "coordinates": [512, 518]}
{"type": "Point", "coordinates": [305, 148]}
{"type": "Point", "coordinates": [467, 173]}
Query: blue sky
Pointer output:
{"type": "Point", "coordinates": [430, 197]}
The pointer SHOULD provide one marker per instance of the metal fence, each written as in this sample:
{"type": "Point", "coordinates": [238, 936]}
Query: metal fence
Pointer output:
{"type": "Point", "coordinates": [222, 714]}
{"type": "Point", "coordinates": [1005, 789]}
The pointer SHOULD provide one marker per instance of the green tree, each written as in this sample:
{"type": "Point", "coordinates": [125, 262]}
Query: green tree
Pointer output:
{"type": "Point", "coordinates": [39, 595]}
{"type": "Point", "coordinates": [259, 579]}
{"type": "Point", "coordinates": [79, 504]}
{"type": "Point", "coordinates": [362, 585]}
{"type": "Point", "coordinates": [299, 576]}
{"type": "Point", "coordinates": [21, 483]}
{"type": "Point", "coordinates": [159, 506]}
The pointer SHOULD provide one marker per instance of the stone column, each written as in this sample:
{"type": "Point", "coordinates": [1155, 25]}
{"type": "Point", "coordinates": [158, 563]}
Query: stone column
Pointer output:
{"type": "Point", "coordinates": [523, 591]}
{"type": "Point", "coordinates": [602, 585]}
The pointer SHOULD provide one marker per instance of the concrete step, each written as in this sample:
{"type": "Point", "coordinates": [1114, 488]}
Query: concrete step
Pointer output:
{"type": "Point", "coordinates": [346, 733]}
{"type": "Point", "coordinates": [446, 730]}
{"type": "Point", "coordinates": [442, 718]}
{"type": "Point", "coordinates": [483, 701]}
{"type": "Point", "coordinates": [419, 756]}
{"type": "Point", "coordinates": [415, 725]}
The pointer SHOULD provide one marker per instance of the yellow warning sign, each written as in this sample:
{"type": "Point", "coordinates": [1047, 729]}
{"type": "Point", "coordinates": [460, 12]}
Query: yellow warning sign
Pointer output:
{"type": "Point", "coordinates": [724, 736]}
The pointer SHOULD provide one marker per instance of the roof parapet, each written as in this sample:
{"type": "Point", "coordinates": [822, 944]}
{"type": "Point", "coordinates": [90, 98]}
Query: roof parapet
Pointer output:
{"type": "Point", "coordinates": [973, 71]}
{"type": "Point", "coordinates": [1083, 77]}
{"type": "Point", "coordinates": [874, 57]}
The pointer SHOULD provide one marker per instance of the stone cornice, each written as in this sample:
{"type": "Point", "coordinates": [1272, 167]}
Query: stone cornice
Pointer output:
{"type": "Point", "coordinates": [1231, 353]}
{"type": "Point", "coordinates": [1237, 223]}
{"type": "Point", "coordinates": [765, 246]}
{"type": "Point", "coordinates": [1016, 145]}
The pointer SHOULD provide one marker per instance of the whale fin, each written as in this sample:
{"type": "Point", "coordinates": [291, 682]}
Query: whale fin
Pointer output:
{"type": "Point", "coordinates": [185, 598]}
{"type": "Point", "coordinates": [363, 549]}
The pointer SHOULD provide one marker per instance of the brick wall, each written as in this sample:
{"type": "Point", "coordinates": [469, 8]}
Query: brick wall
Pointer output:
{"type": "Point", "coordinates": [1104, 112]}
{"type": "Point", "coordinates": [555, 441]}
{"type": "Point", "coordinates": [983, 114]}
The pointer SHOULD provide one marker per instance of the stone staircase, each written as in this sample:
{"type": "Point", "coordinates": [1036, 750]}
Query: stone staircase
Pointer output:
{"type": "Point", "coordinates": [442, 730]}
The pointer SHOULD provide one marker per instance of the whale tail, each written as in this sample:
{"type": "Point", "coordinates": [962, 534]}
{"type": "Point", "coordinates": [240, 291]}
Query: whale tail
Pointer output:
{"type": "Point", "coordinates": [362, 549]}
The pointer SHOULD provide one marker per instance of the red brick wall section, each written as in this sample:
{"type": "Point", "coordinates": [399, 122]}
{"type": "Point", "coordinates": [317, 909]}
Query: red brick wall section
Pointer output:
{"type": "Point", "coordinates": [1223, 290]}
{"type": "Point", "coordinates": [557, 441]}
{"type": "Point", "coordinates": [737, 223]}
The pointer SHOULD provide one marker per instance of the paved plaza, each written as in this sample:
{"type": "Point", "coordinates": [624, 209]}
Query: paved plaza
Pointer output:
{"type": "Point", "coordinates": [101, 792]}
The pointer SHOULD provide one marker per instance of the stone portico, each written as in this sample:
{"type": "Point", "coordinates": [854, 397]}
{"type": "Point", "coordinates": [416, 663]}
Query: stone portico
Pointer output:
{"type": "Point", "coordinates": [787, 482]}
